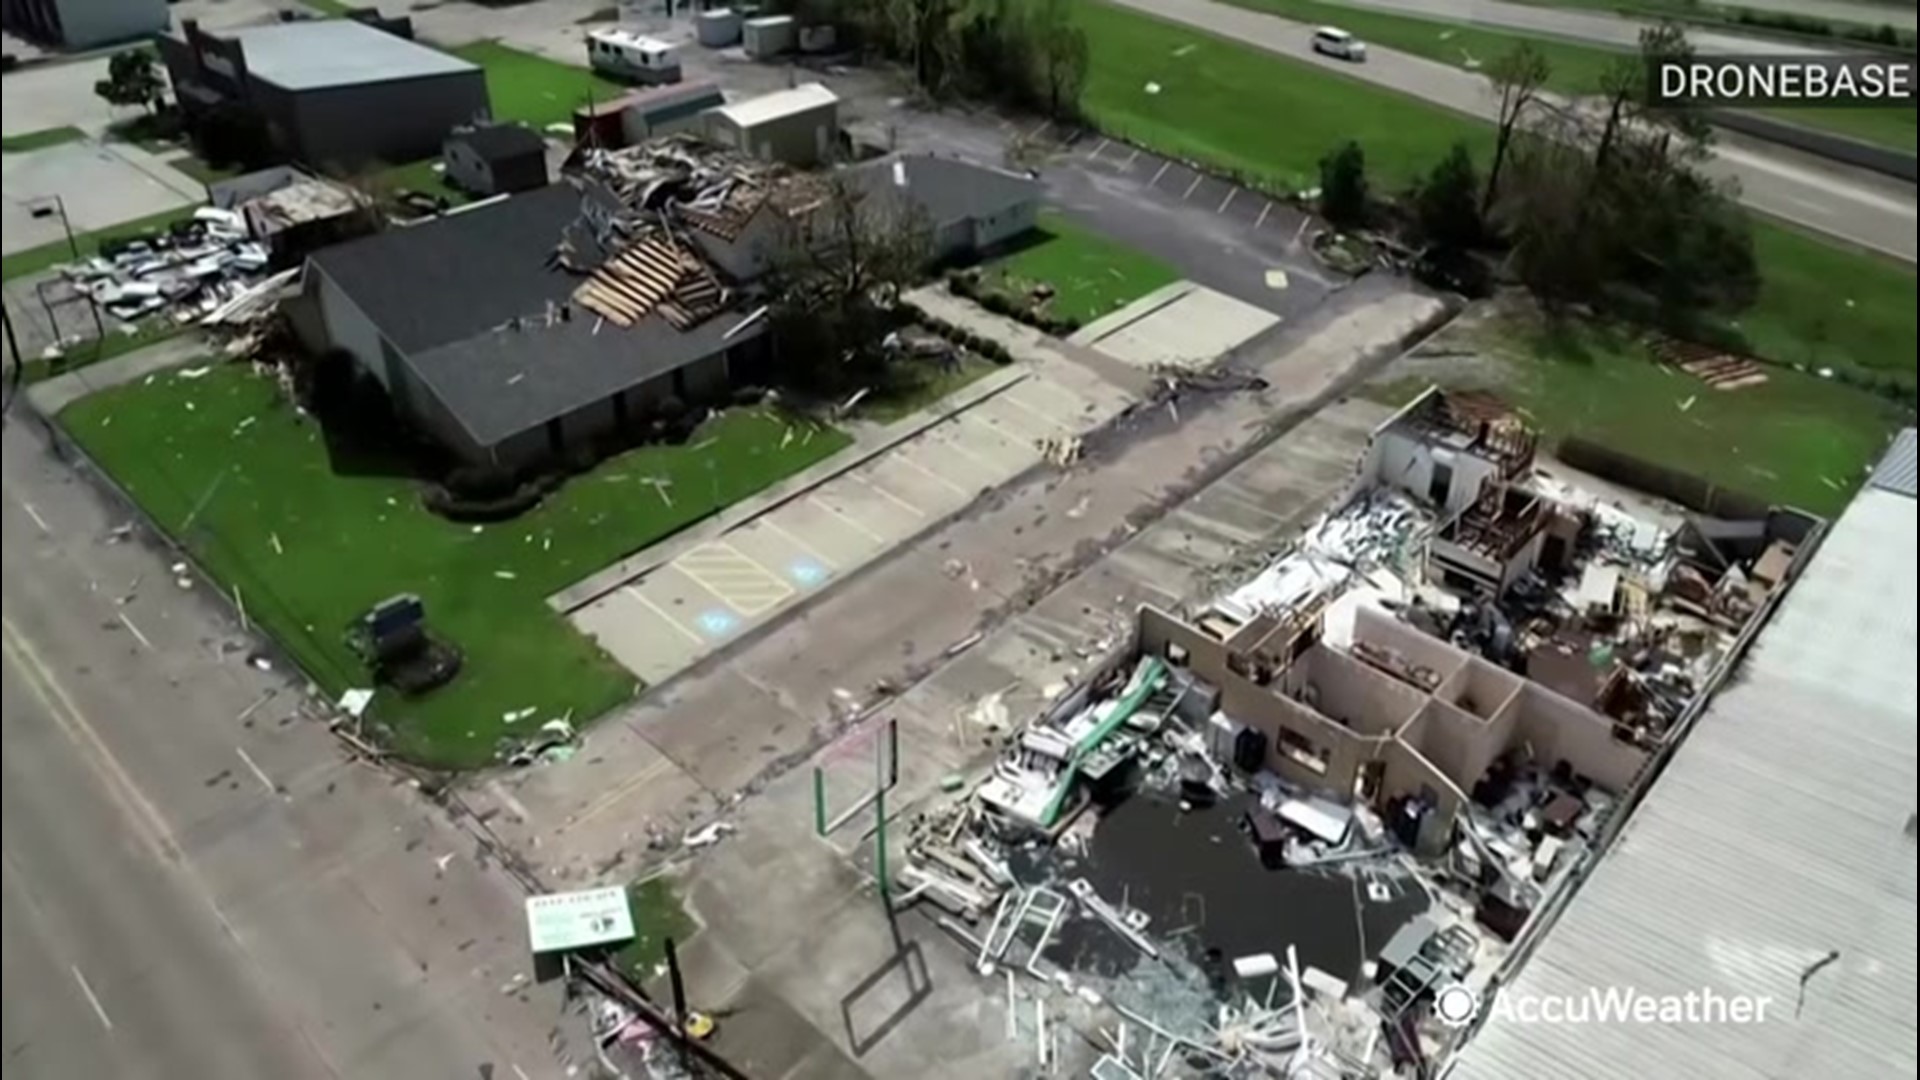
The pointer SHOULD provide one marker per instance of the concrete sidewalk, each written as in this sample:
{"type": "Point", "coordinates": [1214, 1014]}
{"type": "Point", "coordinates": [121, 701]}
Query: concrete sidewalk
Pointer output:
{"type": "Point", "coordinates": [50, 396]}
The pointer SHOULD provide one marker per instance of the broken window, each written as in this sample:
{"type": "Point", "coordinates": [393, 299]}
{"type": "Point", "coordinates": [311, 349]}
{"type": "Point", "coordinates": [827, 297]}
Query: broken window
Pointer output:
{"type": "Point", "coordinates": [1301, 751]}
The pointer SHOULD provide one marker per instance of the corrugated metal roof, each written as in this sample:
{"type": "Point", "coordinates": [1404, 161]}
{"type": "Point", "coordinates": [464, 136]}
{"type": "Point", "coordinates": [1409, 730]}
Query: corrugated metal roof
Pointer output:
{"type": "Point", "coordinates": [1896, 470]}
{"type": "Point", "coordinates": [778, 105]}
{"type": "Point", "coordinates": [1775, 835]}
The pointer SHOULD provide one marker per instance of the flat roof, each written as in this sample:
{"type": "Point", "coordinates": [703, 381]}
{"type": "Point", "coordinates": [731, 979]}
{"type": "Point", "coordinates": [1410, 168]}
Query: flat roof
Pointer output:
{"type": "Point", "coordinates": [314, 54]}
{"type": "Point", "coordinates": [1779, 835]}
{"type": "Point", "coordinates": [778, 104]}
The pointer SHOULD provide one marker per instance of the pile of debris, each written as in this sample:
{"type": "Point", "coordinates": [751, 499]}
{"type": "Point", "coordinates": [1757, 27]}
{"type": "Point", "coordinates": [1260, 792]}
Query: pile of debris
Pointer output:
{"type": "Point", "coordinates": [707, 186]}
{"type": "Point", "coordinates": [190, 271]}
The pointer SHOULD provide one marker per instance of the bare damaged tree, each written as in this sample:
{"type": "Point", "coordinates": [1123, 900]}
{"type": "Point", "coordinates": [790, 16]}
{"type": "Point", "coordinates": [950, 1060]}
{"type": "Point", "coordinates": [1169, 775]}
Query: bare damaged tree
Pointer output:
{"type": "Point", "coordinates": [837, 282]}
{"type": "Point", "coordinates": [1061, 47]}
{"type": "Point", "coordinates": [1517, 76]}
{"type": "Point", "coordinates": [1628, 94]}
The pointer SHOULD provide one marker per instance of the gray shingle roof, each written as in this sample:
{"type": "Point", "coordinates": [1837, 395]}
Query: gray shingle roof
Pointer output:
{"type": "Point", "coordinates": [1896, 472]}
{"type": "Point", "coordinates": [460, 275]}
{"type": "Point", "coordinates": [1776, 835]}
{"type": "Point", "coordinates": [945, 190]}
{"type": "Point", "coordinates": [503, 382]}
{"type": "Point", "coordinates": [444, 293]}
{"type": "Point", "coordinates": [494, 142]}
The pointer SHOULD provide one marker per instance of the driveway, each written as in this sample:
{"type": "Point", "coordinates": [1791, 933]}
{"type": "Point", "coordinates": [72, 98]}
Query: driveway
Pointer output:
{"type": "Point", "coordinates": [99, 185]}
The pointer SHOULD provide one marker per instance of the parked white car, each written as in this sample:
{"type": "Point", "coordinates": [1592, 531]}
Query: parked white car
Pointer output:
{"type": "Point", "coordinates": [1332, 41]}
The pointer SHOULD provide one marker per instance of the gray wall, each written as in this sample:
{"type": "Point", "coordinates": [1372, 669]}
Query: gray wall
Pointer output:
{"type": "Point", "coordinates": [999, 228]}
{"type": "Point", "coordinates": [342, 325]}
{"type": "Point", "coordinates": [404, 120]}
{"type": "Point", "coordinates": [82, 24]}
{"type": "Point", "coordinates": [466, 169]}
{"type": "Point", "coordinates": [1899, 164]}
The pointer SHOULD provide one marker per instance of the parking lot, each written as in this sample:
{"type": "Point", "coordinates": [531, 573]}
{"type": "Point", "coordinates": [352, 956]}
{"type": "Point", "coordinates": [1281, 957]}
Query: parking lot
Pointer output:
{"type": "Point", "coordinates": [675, 615]}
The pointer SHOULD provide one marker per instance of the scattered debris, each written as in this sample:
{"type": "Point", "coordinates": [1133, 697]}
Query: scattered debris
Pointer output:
{"type": "Point", "coordinates": [708, 835]}
{"type": "Point", "coordinates": [354, 702]}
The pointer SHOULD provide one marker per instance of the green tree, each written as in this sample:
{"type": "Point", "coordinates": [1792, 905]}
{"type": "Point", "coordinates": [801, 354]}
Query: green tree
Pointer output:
{"type": "Point", "coordinates": [1343, 186]}
{"type": "Point", "coordinates": [131, 80]}
{"type": "Point", "coordinates": [1060, 48]}
{"type": "Point", "coordinates": [836, 281]}
{"type": "Point", "coordinates": [1446, 204]}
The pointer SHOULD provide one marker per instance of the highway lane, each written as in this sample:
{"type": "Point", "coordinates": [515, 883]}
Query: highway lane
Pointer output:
{"type": "Point", "coordinates": [188, 844]}
{"type": "Point", "coordinates": [1573, 24]}
{"type": "Point", "coordinates": [1872, 211]}
{"type": "Point", "coordinates": [114, 965]}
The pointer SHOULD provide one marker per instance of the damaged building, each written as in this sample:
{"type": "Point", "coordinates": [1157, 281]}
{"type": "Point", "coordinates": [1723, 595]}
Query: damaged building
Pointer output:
{"type": "Point", "coordinates": [530, 327]}
{"type": "Point", "coordinates": [1371, 770]}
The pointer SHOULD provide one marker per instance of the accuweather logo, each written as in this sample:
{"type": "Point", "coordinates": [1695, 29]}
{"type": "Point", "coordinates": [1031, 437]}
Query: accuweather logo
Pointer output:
{"type": "Point", "coordinates": [1457, 1005]}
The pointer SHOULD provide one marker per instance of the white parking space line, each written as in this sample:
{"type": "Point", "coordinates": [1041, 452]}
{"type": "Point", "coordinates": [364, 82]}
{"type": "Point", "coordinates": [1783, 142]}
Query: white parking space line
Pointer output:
{"type": "Point", "coordinates": [892, 498]}
{"type": "Point", "coordinates": [259, 773]}
{"type": "Point", "coordinates": [128, 623]}
{"type": "Point", "coordinates": [35, 515]}
{"type": "Point", "coordinates": [857, 527]}
{"type": "Point", "coordinates": [1197, 177]}
{"type": "Point", "coordinates": [664, 617]}
{"type": "Point", "coordinates": [1231, 192]}
{"type": "Point", "coordinates": [1304, 222]}
{"type": "Point", "coordinates": [1037, 132]}
{"type": "Point", "coordinates": [1051, 423]}
{"type": "Point", "coordinates": [98, 1010]}
{"type": "Point", "coordinates": [1164, 166]}
{"type": "Point", "coordinates": [1097, 149]}
{"type": "Point", "coordinates": [907, 460]}
{"type": "Point", "coordinates": [773, 526]}
{"type": "Point", "coordinates": [1264, 211]}
{"type": "Point", "coordinates": [1131, 158]}
{"type": "Point", "coordinates": [734, 577]}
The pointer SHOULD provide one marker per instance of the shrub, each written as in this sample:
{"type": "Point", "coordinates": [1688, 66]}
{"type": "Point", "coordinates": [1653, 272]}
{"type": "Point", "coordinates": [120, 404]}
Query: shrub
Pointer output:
{"type": "Point", "coordinates": [480, 482]}
{"type": "Point", "coordinates": [998, 303]}
{"type": "Point", "coordinates": [478, 510]}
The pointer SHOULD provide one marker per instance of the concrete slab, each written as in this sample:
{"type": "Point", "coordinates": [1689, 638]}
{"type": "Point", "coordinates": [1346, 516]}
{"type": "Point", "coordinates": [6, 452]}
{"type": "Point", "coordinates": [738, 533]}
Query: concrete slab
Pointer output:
{"type": "Point", "coordinates": [99, 185]}
{"type": "Point", "coordinates": [1190, 331]}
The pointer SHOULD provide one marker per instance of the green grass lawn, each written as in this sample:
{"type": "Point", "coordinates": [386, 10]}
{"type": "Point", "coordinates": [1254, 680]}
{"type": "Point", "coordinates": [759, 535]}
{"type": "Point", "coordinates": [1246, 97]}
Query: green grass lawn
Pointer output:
{"type": "Point", "coordinates": [229, 447]}
{"type": "Point", "coordinates": [420, 176]}
{"type": "Point", "coordinates": [1797, 439]}
{"type": "Point", "coordinates": [34, 260]}
{"type": "Point", "coordinates": [1250, 112]}
{"type": "Point", "coordinates": [156, 133]}
{"type": "Point", "coordinates": [1090, 274]}
{"type": "Point", "coordinates": [1577, 68]}
{"type": "Point", "coordinates": [1220, 103]}
{"type": "Point", "coordinates": [37, 140]}
{"type": "Point", "coordinates": [197, 167]}
{"type": "Point", "coordinates": [1822, 305]}
{"type": "Point", "coordinates": [533, 89]}
{"type": "Point", "coordinates": [657, 916]}
{"type": "Point", "coordinates": [116, 343]}
{"type": "Point", "coordinates": [917, 385]}
{"type": "Point", "coordinates": [334, 8]}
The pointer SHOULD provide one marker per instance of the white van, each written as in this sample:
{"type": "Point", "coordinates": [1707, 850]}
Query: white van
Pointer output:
{"type": "Point", "coordinates": [1332, 41]}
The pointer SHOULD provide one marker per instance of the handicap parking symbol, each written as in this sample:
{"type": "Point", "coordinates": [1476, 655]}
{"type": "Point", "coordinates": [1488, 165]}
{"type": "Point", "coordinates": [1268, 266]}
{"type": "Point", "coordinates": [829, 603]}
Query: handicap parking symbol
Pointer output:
{"type": "Point", "coordinates": [806, 574]}
{"type": "Point", "coordinates": [718, 623]}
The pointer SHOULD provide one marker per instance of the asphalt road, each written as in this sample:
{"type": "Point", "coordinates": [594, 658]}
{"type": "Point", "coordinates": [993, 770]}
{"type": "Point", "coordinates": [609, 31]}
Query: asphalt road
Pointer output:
{"type": "Point", "coordinates": [113, 966]}
{"type": "Point", "coordinates": [198, 883]}
{"type": "Point", "coordinates": [1599, 27]}
{"type": "Point", "coordinates": [1863, 208]}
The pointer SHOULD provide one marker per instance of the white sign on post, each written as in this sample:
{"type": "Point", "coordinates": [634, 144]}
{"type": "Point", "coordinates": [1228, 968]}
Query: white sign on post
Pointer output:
{"type": "Point", "coordinates": [575, 920]}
